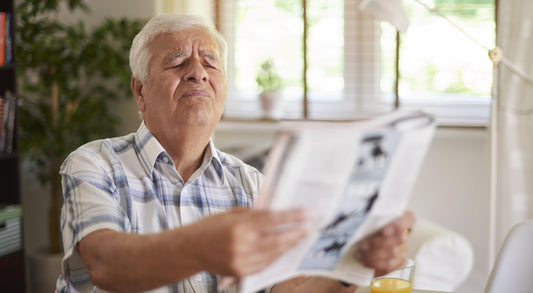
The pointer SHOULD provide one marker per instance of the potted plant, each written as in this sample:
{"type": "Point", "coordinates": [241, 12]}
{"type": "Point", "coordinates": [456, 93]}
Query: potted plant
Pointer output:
{"type": "Point", "coordinates": [270, 85]}
{"type": "Point", "coordinates": [67, 76]}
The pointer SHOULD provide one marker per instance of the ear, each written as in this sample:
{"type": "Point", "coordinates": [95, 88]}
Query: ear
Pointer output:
{"type": "Point", "coordinates": [137, 89]}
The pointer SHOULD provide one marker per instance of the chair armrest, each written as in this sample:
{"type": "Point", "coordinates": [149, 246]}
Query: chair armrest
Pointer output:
{"type": "Point", "coordinates": [444, 257]}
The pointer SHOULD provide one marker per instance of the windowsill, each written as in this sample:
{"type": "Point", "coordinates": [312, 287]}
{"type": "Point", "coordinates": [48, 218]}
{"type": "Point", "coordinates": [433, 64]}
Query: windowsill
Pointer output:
{"type": "Point", "coordinates": [470, 113]}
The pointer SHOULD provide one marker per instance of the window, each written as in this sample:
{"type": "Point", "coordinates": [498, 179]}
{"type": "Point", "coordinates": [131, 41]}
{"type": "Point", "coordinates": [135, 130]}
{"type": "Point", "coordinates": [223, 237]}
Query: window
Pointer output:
{"type": "Point", "coordinates": [339, 63]}
{"type": "Point", "coordinates": [441, 69]}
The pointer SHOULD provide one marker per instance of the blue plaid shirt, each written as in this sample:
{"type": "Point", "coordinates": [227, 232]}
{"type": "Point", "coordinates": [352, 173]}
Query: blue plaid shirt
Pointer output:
{"type": "Point", "coordinates": [130, 184]}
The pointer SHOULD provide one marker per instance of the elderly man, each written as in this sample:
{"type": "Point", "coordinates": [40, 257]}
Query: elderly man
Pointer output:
{"type": "Point", "coordinates": [162, 210]}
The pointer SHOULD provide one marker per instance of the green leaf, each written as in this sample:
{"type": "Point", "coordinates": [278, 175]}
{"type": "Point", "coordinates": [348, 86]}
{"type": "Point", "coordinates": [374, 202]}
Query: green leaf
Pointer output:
{"type": "Point", "coordinates": [90, 68]}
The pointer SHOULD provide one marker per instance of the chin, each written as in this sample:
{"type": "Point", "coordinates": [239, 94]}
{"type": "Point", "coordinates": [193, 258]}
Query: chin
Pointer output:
{"type": "Point", "coordinates": [201, 119]}
{"type": "Point", "coordinates": [201, 115]}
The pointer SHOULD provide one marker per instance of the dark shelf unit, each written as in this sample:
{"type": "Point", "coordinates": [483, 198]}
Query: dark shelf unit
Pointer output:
{"type": "Point", "coordinates": [12, 264]}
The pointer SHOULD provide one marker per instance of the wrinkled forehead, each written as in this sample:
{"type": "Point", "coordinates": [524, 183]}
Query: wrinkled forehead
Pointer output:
{"type": "Point", "coordinates": [184, 41]}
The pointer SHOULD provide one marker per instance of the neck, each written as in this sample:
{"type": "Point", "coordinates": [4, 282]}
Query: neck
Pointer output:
{"type": "Point", "coordinates": [188, 158]}
{"type": "Point", "coordinates": [186, 148]}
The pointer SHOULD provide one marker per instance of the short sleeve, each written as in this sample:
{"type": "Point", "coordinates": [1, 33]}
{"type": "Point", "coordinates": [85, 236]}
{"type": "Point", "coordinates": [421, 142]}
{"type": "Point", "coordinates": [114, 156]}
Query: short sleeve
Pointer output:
{"type": "Point", "coordinates": [90, 204]}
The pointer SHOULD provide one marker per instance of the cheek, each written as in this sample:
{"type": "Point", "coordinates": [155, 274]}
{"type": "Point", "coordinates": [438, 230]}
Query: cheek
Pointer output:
{"type": "Point", "coordinates": [219, 86]}
{"type": "Point", "coordinates": [163, 89]}
{"type": "Point", "coordinates": [222, 93]}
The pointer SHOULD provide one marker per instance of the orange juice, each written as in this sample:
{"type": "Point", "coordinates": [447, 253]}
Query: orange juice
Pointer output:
{"type": "Point", "coordinates": [390, 285]}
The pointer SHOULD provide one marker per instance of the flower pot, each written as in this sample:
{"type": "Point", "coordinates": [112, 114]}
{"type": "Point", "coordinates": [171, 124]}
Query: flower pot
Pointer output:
{"type": "Point", "coordinates": [43, 270]}
{"type": "Point", "coordinates": [271, 104]}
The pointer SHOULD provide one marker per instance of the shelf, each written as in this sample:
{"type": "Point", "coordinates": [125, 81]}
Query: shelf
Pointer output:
{"type": "Point", "coordinates": [12, 271]}
{"type": "Point", "coordinates": [6, 6]}
{"type": "Point", "coordinates": [12, 264]}
{"type": "Point", "coordinates": [7, 80]}
{"type": "Point", "coordinates": [9, 179]}
{"type": "Point", "coordinates": [9, 156]}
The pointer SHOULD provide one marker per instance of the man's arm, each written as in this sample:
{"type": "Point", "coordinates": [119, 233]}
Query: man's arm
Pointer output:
{"type": "Point", "coordinates": [236, 243]}
{"type": "Point", "coordinates": [312, 285]}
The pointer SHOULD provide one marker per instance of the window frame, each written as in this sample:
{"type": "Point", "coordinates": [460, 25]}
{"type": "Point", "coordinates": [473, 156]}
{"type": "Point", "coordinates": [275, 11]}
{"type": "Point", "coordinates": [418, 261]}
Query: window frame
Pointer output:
{"type": "Point", "coordinates": [362, 95]}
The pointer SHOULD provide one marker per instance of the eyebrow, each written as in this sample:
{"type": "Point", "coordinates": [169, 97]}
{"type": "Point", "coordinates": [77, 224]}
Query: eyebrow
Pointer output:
{"type": "Point", "coordinates": [210, 55]}
{"type": "Point", "coordinates": [174, 56]}
{"type": "Point", "coordinates": [205, 53]}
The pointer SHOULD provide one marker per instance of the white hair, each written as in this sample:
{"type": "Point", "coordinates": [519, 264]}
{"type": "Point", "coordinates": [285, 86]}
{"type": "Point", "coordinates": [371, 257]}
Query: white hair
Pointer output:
{"type": "Point", "coordinates": [140, 54]}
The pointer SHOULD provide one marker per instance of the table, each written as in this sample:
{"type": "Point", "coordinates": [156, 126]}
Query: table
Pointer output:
{"type": "Point", "coordinates": [367, 290]}
{"type": "Point", "coordinates": [428, 291]}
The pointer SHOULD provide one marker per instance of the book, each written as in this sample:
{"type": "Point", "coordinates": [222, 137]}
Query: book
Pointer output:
{"type": "Point", "coordinates": [11, 232]}
{"type": "Point", "coordinates": [2, 111]}
{"type": "Point", "coordinates": [2, 36]}
{"type": "Point", "coordinates": [354, 178]}
{"type": "Point", "coordinates": [8, 39]}
{"type": "Point", "coordinates": [8, 122]}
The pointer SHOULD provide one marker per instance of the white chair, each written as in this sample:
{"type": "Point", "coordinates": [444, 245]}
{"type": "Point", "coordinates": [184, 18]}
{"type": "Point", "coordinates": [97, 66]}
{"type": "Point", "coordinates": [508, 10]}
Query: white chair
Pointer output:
{"type": "Point", "coordinates": [513, 269]}
{"type": "Point", "coordinates": [444, 258]}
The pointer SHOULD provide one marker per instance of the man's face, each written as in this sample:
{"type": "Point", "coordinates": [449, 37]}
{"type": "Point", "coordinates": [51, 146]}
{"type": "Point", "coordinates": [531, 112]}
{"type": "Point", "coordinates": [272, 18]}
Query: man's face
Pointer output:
{"type": "Point", "coordinates": [186, 83]}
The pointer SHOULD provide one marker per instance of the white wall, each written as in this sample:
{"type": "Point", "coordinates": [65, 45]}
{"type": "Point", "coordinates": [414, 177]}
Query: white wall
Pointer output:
{"type": "Point", "coordinates": [100, 9]}
{"type": "Point", "coordinates": [453, 190]}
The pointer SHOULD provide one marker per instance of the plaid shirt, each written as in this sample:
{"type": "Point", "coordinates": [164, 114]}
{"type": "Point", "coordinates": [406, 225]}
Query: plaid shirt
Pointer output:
{"type": "Point", "coordinates": [130, 184]}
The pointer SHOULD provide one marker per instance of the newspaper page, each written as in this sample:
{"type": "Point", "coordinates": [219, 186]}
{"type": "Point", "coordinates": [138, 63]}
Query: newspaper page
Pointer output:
{"type": "Point", "coordinates": [354, 177]}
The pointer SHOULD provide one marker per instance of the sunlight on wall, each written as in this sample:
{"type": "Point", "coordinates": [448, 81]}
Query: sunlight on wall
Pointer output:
{"type": "Point", "coordinates": [168, 6]}
{"type": "Point", "coordinates": [203, 8]}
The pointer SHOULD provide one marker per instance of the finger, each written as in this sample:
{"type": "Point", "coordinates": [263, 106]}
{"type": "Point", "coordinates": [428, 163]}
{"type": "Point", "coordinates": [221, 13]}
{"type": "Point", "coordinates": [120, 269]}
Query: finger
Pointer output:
{"type": "Point", "coordinates": [275, 244]}
{"type": "Point", "coordinates": [386, 264]}
{"type": "Point", "coordinates": [384, 269]}
{"type": "Point", "coordinates": [399, 225]}
{"type": "Point", "coordinates": [262, 229]}
{"type": "Point", "coordinates": [272, 246]}
{"type": "Point", "coordinates": [288, 216]}
{"type": "Point", "coordinates": [226, 282]}
{"type": "Point", "coordinates": [379, 241]}
{"type": "Point", "coordinates": [268, 250]}
{"type": "Point", "coordinates": [379, 256]}
{"type": "Point", "coordinates": [276, 221]}
{"type": "Point", "coordinates": [384, 255]}
{"type": "Point", "coordinates": [394, 233]}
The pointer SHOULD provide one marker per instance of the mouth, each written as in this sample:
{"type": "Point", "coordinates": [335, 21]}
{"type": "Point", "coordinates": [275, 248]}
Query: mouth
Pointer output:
{"type": "Point", "coordinates": [196, 93]}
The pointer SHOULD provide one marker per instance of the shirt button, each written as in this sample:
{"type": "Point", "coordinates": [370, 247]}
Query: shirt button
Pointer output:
{"type": "Point", "coordinates": [198, 278]}
{"type": "Point", "coordinates": [165, 159]}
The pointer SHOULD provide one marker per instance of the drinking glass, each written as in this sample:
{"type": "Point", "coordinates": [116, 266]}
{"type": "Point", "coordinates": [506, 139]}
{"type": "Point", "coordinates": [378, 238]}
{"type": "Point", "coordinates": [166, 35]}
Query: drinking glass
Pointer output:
{"type": "Point", "coordinates": [398, 281]}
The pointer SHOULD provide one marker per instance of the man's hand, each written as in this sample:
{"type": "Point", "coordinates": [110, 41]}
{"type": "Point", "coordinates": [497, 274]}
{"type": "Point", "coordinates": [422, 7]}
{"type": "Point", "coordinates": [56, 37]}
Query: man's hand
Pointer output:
{"type": "Point", "coordinates": [243, 241]}
{"type": "Point", "coordinates": [386, 250]}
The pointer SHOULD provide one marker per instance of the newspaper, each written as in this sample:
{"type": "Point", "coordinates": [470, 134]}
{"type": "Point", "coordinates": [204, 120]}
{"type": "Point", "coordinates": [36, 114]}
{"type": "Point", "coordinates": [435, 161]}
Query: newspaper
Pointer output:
{"type": "Point", "coordinates": [354, 177]}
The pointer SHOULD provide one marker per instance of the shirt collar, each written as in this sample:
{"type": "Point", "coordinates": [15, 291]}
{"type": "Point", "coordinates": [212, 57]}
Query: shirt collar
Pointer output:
{"type": "Point", "coordinates": [210, 158]}
{"type": "Point", "coordinates": [149, 149]}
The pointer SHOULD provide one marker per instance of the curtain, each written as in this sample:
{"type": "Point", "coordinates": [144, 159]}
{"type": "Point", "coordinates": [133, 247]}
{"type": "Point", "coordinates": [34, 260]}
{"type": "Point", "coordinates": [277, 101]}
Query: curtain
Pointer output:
{"type": "Point", "coordinates": [391, 11]}
{"type": "Point", "coordinates": [512, 121]}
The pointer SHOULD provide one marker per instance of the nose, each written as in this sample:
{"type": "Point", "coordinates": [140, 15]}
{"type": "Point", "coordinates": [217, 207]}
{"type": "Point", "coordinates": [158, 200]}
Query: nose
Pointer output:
{"type": "Point", "coordinates": [195, 71]}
